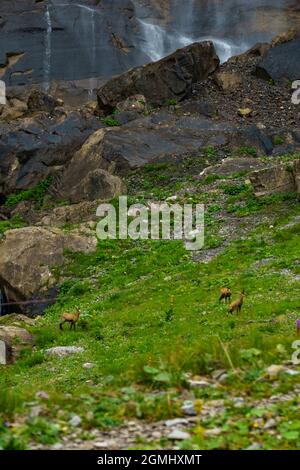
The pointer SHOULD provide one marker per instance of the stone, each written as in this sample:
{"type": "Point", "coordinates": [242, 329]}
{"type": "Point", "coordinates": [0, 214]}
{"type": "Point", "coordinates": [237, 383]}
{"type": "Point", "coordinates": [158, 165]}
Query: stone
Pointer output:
{"type": "Point", "coordinates": [97, 184]}
{"type": "Point", "coordinates": [88, 176]}
{"type": "Point", "coordinates": [159, 138]}
{"type": "Point", "coordinates": [272, 180]}
{"type": "Point", "coordinates": [231, 166]}
{"type": "Point", "coordinates": [35, 411]}
{"type": "Point", "coordinates": [13, 110]}
{"type": "Point", "coordinates": [63, 351]}
{"type": "Point", "coordinates": [75, 421]}
{"type": "Point", "coordinates": [3, 353]}
{"type": "Point", "coordinates": [258, 50]}
{"type": "Point", "coordinates": [274, 370]}
{"type": "Point", "coordinates": [199, 108]}
{"type": "Point", "coordinates": [271, 423]}
{"type": "Point", "coordinates": [245, 112]}
{"type": "Point", "coordinates": [39, 146]}
{"type": "Point", "coordinates": [215, 432]}
{"type": "Point", "coordinates": [199, 383]}
{"type": "Point", "coordinates": [70, 214]}
{"type": "Point", "coordinates": [170, 78]}
{"type": "Point", "coordinates": [42, 394]}
{"type": "Point", "coordinates": [57, 446]}
{"type": "Point", "coordinates": [217, 374]}
{"type": "Point", "coordinates": [188, 408]}
{"type": "Point", "coordinates": [28, 255]}
{"type": "Point", "coordinates": [39, 101]}
{"type": "Point", "coordinates": [133, 103]}
{"type": "Point", "coordinates": [12, 341]}
{"type": "Point", "coordinates": [16, 319]}
{"type": "Point", "coordinates": [176, 422]}
{"type": "Point", "coordinates": [282, 61]}
{"type": "Point", "coordinates": [296, 173]}
{"type": "Point", "coordinates": [227, 81]}
{"type": "Point", "coordinates": [88, 365]}
{"type": "Point", "coordinates": [107, 445]}
{"type": "Point", "coordinates": [238, 402]}
{"type": "Point", "coordinates": [178, 435]}
{"type": "Point", "coordinates": [254, 446]}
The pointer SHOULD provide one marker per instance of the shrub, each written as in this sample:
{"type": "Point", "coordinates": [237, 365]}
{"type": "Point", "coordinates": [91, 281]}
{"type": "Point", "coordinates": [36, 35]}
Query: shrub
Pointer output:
{"type": "Point", "coordinates": [111, 122]}
{"type": "Point", "coordinates": [15, 222]}
{"type": "Point", "coordinates": [36, 194]}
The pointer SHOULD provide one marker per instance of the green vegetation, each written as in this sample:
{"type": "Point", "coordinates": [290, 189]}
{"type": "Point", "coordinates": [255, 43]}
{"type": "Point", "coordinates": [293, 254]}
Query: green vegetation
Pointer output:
{"type": "Point", "coordinates": [171, 102]}
{"type": "Point", "coordinates": [15, 222]}
{"type": "Point", "coordinates": [36, 194]}
{"type": "Point", "coordinates": [111, 122]}
{"type": "Point", "coordinates": [151, 321]}
{"type": "Point", "coordinates": [250, 151]}
{"type": "Point", "coordinates": [278, 140]}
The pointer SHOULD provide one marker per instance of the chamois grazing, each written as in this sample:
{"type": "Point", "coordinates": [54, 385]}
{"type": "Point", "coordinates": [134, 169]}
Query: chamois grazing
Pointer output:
{"type": "Point", "coordinates": [71, 318]}
{"type": "Point", "coordinates": [225, 294]}
{"type": "Point", "coordinates": [236, 306]}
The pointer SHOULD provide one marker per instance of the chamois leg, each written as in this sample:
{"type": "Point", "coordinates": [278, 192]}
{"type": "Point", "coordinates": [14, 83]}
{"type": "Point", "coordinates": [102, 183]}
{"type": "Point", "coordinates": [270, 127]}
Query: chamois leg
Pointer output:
{"type": "Point", "coordinates": [61, 324]}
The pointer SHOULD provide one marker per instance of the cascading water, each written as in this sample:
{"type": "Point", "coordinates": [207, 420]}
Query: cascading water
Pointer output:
{"type": "Point", "coordinates": [87, 28]}
{"type": "Point", "coordinates": [90, 39]}
{"type": "Point", "coordinates": [159, 41]}
{"type": "Point", "coordinates": [47, 60]}
{"type": "Point", "coordinates": [154, 40]}
{"type": "Point", "coordinates": [93, 52]}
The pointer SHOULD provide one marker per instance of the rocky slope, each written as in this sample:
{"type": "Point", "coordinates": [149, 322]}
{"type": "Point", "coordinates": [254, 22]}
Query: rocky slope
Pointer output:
{"type": "Point", "coordinates": [225, 137]}
{"type": "Point", "coordinates": [53, 154]}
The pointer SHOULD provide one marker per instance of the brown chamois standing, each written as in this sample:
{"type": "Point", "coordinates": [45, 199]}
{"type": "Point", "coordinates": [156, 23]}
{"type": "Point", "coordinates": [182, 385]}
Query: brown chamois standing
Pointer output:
{"type": "Point", "coordinates": [71, 318]}
{"type": "Point", "coordinates": [225, 294]}
{"type": "Point", "coordinates": [236, 306]}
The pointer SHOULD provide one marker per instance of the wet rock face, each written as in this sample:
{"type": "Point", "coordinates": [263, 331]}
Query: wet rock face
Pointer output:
{"type": "Point", "coordinates": [65, 40]}
{"type": "Point", "coordinates": [42, 41]}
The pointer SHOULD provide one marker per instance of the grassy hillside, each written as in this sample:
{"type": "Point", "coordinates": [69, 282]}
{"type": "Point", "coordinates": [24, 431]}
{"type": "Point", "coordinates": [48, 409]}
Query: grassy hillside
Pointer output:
{"type": "Point", "coordinates": [151, 321]}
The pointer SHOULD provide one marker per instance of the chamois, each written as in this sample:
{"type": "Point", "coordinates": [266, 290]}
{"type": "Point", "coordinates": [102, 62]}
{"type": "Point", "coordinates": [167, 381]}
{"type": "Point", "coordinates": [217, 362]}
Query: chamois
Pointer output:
{"type": "Point", "coordinates": [236, 306]}
{"type": "Point", "coordinates": [225, 294]}
{"type": "Point", "coordinates": [71, 318]}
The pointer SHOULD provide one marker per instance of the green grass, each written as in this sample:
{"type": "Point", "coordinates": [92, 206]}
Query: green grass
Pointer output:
{"type": "Point", "coordinates": [15, 222]}
{"type": "Point", "coordinates": [111, 122]}
{"type": "Point", "coordinates": [151, 319]}
{"type": "Point", "coordinates": [36, 194]}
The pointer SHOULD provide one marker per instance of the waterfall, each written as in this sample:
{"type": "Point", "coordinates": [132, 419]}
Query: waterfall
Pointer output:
{"type": "Point", "coordinates": [159, 41]}
{"type": "Point", "coordinates": [47, 59]}
{"type": "Point", "coordinates": [87, 36]}
{"type": "Point", "coordinates": [154, 40]}
{"type": "Point", "coordinates": [93, 52]}
{"type": "Point", "coordinates": [88, 24]}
